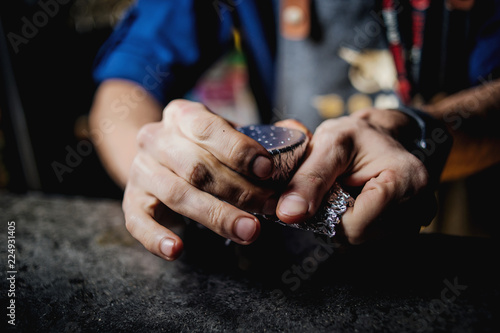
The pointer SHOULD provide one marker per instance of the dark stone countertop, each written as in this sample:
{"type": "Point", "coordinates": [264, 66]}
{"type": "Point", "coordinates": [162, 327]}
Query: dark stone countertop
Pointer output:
{"type": "Point", "coordinates": [78, 270]}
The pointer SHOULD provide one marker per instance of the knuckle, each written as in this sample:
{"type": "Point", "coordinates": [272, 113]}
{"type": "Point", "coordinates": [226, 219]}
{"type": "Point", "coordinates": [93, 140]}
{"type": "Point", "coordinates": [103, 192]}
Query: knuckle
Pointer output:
{"type": "Point", "coordinates": [159, 183]}
{"type": "Point", "coordinates": [176, 193]}
{"type": "Point", "coordinates": [340, 124]}
{"type": "Point", "coordinates": [420, 173]}
{"type": "Point", "coordinates": [325, 127]}
{"type": "Point", "coordinates": [244, 198]}
{"type": "Point", "coordinates": [204, 130]}
{"type": "Point", "coordinates": [176, 107]}
{"type": "Point", "coordinates": [385, 187]}
{"type": "Point", "coordinates": [200, 176]}
{"type": "Point", "coordinates": [388, 176]}
{"type": "Point", "coordinates": [316, 179]}
{"type": "Point", "coordinates": [345, 139]}
{"type": "Point", "coordinates": [344, 145]}
{"type": "Point", "coordinates": [363, 114]}
{"type": "Point", "coordinates": [167, 189]}
{"type": "Point", "coordinates": [416, 174]}
{"type": "Point", "coordinates": [138, 169]}
{"type": "Point", "coordinates": [239, 153]}
{"type": "Point", "coordinates": [216, 218]}
{"type": "Point", "coordinates": [201, 124]}
{"type": "Point", "coordinates": [146, 134]}
{"type": "Point", "coordinates": [248, 198]}
{"type": "Point", "coordinates": [340, 136]}
{"type": "Point", "coordinates": [178, 110]}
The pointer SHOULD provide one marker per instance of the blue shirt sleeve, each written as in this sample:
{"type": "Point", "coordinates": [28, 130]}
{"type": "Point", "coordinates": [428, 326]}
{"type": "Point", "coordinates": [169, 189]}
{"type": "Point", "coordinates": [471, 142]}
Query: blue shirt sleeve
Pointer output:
{"type": "Point", "coordinates": [165, 45]}
{"type": "Point", "coordinates": [485, 57]}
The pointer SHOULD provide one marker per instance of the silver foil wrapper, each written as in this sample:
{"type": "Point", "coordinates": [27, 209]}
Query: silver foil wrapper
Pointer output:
{"type": "Point", "coordinates": [287, 146]}
{"type": "Point", "coordinates": [334, 204]}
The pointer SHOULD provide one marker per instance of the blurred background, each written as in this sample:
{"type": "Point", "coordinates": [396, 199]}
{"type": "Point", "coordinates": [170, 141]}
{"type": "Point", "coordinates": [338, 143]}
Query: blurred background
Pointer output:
{"type": "Point", "coordinates": [47, 52]}
{"type": "Point", "coordinates": [46, 91]}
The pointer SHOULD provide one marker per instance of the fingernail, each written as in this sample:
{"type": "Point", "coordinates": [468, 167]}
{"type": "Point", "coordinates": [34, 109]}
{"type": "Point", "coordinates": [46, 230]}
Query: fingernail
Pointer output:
{"type": "Point", "coordinates": [167, 247]}
{"type": "Point", "coordinates": [245, 228]}
{"type": "Point", "coordinates": [262, 167]}
{"type": "Point", "coordinates": [293, 205]}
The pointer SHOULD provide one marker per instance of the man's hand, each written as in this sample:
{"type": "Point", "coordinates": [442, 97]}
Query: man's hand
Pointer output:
{"type": "Point", "coordinates": [361, 152]}
{"type": "Point", "coordinates": [194, 163]}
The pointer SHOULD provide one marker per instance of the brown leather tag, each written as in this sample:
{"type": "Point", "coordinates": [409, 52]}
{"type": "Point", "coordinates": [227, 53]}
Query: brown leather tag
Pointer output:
{"type": "Point", "coordinates": [463, 5]}
{"type": "Point", "coordinates": [295, 19]}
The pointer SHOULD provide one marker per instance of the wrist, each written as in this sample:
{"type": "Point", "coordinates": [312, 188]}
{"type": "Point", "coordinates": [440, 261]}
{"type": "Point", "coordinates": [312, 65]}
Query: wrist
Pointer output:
{"type": "Point", "coordinates": [433, 144]}
{"type": "Point", "coordinates": [421, 134]}
{"type": "Point", "coordinates": [395, 123]}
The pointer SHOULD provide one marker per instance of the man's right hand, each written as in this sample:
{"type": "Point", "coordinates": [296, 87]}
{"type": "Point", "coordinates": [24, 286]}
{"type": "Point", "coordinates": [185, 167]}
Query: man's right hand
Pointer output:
{"type": "Point", "coordinates": [194, 163]}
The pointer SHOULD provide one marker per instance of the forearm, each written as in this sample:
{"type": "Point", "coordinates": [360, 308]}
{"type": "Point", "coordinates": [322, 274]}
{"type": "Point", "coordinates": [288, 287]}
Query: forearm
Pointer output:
{"type": "Point", "coordinates": [119, 111]}
{"type": "Point", "coordinates": [472, 117]}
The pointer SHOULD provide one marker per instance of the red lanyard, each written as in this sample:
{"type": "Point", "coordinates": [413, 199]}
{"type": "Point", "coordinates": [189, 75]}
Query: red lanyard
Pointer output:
{"type": "Point", "coordinates": [396, 47]}
{"type": "Point", "coordinates": [419, 8]}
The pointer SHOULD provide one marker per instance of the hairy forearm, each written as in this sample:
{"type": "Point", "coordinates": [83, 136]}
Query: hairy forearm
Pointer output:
{"type": "Point", "coordinates": [119, 110]}
{"type": "Point", "coordinates": [472, 117]}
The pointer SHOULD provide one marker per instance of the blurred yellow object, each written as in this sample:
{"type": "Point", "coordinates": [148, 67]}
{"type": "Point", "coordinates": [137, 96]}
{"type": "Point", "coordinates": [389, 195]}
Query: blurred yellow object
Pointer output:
{"type": "Point", "coordinates": [329, 106]}
{"type": "Point", "coordinates": [358, 102]}
{"type": "Point", "coordinates": [237, 40]}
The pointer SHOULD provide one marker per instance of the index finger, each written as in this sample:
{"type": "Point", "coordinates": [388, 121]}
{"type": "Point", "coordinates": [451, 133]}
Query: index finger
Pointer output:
{"type": "Point", "coordinates": [220, 138]}
{"type": "Point", "coordinates": [377, 194]}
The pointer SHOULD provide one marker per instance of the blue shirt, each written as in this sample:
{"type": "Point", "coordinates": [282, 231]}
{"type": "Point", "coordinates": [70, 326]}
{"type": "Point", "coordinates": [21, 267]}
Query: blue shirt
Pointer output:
{"type": "Point", "coordinates": [166, 45]}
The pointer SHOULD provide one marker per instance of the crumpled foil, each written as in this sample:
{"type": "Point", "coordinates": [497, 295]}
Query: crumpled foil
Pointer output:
{"type": "Point", "coordinates": [332, 208]}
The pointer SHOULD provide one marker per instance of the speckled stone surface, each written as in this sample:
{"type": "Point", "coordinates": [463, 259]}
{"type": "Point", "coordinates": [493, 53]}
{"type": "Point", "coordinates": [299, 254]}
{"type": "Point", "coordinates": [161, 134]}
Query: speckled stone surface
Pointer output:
{"type": "Point", "coordinates": [78, 270]}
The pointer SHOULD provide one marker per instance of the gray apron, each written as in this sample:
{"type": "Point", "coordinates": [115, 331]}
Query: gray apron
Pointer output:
{"type": "Point", "coordinates": [341, 67]}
